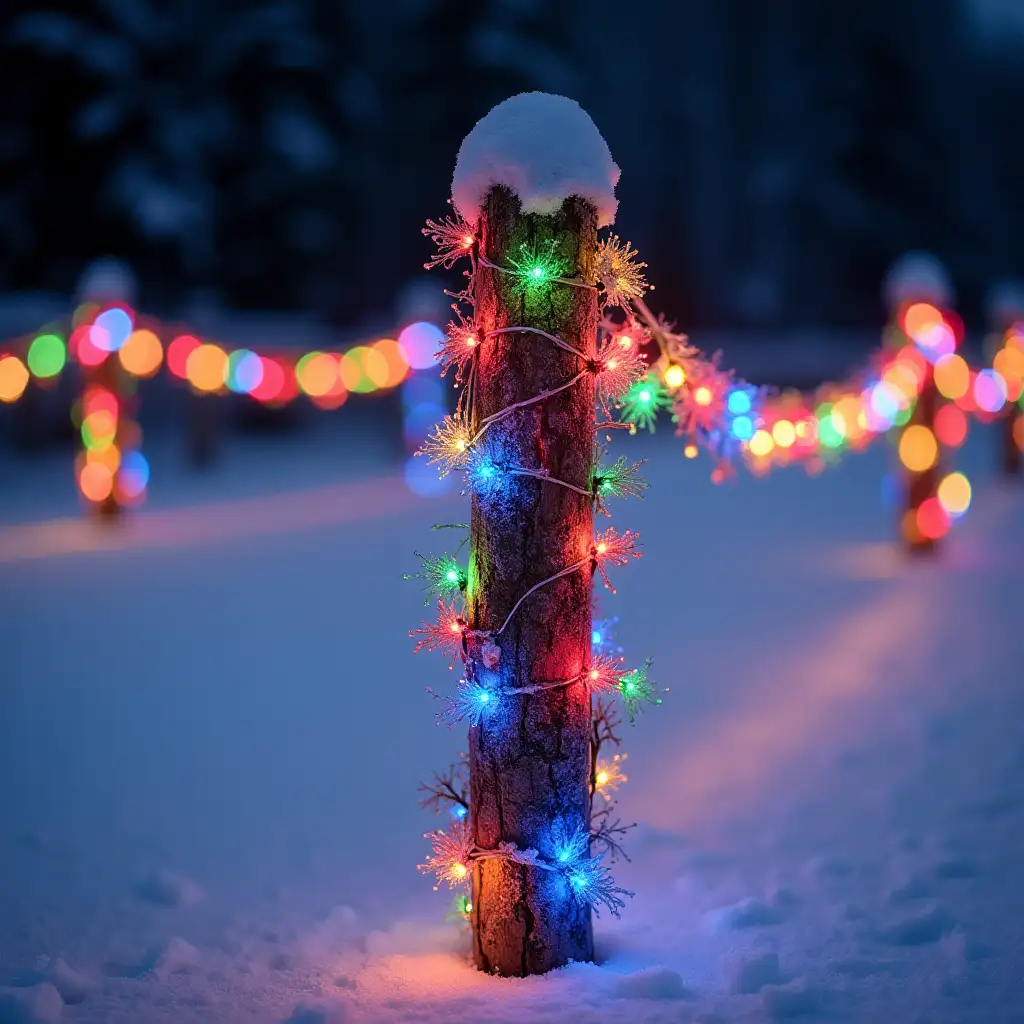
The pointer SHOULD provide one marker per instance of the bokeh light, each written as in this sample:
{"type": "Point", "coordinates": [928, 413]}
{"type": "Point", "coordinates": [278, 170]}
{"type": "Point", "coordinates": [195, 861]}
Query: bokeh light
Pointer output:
{"type": "Point", "coordinates": [13, 378]}
{"type": "Point", "coordinates": [95, 481]}
{"type": "Point", "coordinates": [46, 355]}
{"type": "Point", "coordinates": [919, 449]}
{"type": "Point", "coordinates": [111, 329]}
{"type": "Point", "coordinates": [990, 391]}
{"type": "Point", "coordinates": [142, 354]}
{"type": "Point", "coordinates": [420, 343]}
{"type": "Point", "coordinates": [245, 371]}
{"type": "Point", "coordinates": [952, 377]}
{"type": "Point", "coordinates": [951, 426]}
{"type": "Point", "coordinates": [207, 368]}
{"type": "Point", "coordinates": [954, 494]}
{"type": "Point", "coordinates": [932, 520]}
{"type": "Point", "coordinates": [178, 352]}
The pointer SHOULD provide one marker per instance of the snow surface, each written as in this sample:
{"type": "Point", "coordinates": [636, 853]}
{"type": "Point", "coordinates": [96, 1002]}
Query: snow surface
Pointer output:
{"type": "Point", "coordinates": [544, 148]}
{"type": "Point", "coordinates": [918, 277]}
{"type": "Point", "coordinates": [212, 726]}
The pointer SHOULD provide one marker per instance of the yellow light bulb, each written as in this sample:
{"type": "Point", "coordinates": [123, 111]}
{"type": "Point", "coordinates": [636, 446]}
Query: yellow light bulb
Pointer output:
{"type": "Point", "coordinates": [460, 870]}
{"type": "Point", "coordinates": [625, 341]}
{"type": "Point", "coordinates": [461, 444]}
{"type": "Point", "coordinates": [467, 240]}
{"type": "Point", "coordinates": [602, 778]}
{"type": "Point", "coordinates": [690, 451]}
{"type": "Point", "coordinates": [702, 396]}
{"type": "Point", "coordinates": [675, 377]}
{"type": "Point", "coordinates": [602, 548]}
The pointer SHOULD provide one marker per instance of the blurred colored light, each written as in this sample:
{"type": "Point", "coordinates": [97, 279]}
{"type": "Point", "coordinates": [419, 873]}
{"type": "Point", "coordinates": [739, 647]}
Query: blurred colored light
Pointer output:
{"type": "Point", "coordinates": [178, 352]}
{"type": "Point", "coordinates": [702, 396]}
{"type": "Point", "coordinates": [761, 444]}
{"type": "Point", "coordinates": [95, 481]}
{"type": "Point", "coordinates": [375, 367]}
{"type": "Point", "coordinates": [743, 427]}
{"type": "Point", "coordinates": [918, 317]}
{"type": "Point", "coordinates": [952, 376]}
{"type": "Point", "coordinates": [885, 402]}
{"type": "Point", "coordinates": [1009, 364]}
{"type": "Point", "coordinates": [86, 351]}
{"type": "Point", "coordinates": [422, 387]}
{"type": "Point", "coordinates": [918, 448]}
{"type": "Point", "coordinates": [245, 371]}
{"type": "Point", "coordinates": [110, 457]}
{"type": "Point", "coordinates": [990, 391]}
{"type": "Point", "coordinates": [932, 520]}
{"type": "Point", "coordinates": [419, 421]}
{"type": "Point", "coordinates": [13, 378]}
{"type": "Point", "coordinates": [951, 426]}
{"type": "Point", "coordinates": [133, 475]}
{"type": "Point", "coordinates": [46, 355]}
{"type": "Point", "coordinates": [784, 434]}
{"type": "Point", "coordinates": [207, 368]}
{"type": "Point", "coordinates": [398, 367]}
{"type": "Point", "coordinates": [935, 341]}
{"type": "Point", "coordinates": [955, 494]}
{"type": "Point", "coordinates": [317, 373]}
{"type": "Point", "coordinates": [142, 354]}
{"type": "Point", "coordinates": [97, 399]}
{"type": "Point", "coordinates": [99, 429]}
{"type": "Point", "coordinates": [423, 479]}
{"type": "Point", "coordinates": [1018, 430]}
{"type": "Point", "coordinates": [420, 343]}
{"type": "Point", "coordinates": [675, 377]}
{"type": "Point", "coordinates": [272, 381]}
{"type": "Point", "coordinates": [111, 329]}
{"type": "Point", "coordinates": [739, 403]}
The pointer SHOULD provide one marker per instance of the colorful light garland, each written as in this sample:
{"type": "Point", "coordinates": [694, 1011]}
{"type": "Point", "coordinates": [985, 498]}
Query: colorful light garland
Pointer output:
{"type": "Point", "coordinates": [624, 385]}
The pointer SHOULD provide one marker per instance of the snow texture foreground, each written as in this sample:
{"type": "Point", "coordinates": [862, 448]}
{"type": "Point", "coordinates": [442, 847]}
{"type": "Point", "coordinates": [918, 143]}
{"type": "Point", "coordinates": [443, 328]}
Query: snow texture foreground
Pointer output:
{"type": "Point", "coordinates": [210, 741]}
{"type": "Point", "coordinates": [545, 149]}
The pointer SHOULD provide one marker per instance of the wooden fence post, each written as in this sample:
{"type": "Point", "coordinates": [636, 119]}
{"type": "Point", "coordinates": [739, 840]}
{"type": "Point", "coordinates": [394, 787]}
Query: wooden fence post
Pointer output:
{"type": "Point", "coordinates": [531, 765]}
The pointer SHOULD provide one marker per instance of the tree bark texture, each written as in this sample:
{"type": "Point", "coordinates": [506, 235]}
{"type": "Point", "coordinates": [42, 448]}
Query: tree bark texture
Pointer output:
{"type": "Point", "coordinates": [530, 760]}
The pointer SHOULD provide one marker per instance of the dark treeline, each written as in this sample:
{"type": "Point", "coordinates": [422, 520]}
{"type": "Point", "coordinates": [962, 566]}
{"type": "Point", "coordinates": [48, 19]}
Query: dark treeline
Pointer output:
{"type": "Point", "coordinates": [776, 156]}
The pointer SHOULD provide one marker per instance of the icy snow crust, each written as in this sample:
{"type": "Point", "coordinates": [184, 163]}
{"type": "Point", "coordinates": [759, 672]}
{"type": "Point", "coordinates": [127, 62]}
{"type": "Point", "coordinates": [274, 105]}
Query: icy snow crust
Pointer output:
{"type": "Point", "coordinates": [210, 738]}
{"type": "Point", "coordinates": [545, 149]}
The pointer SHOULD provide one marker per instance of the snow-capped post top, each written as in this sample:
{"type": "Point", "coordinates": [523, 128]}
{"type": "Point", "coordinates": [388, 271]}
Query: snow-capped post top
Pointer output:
{"type": "Point", "coordinates": [545, 149]}
{"type": "Point", "coordinates": [918, 277]}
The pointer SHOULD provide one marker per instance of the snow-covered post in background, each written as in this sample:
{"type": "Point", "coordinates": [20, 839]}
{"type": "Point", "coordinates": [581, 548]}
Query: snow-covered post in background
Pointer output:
{"type": "Point", "coordinates": [110, 469]}
{"type": "Point", "coordinates": [533, 183]}
{"type": "Point", "coordinates": [1005, 349]}
{"type": "Point", "coordinates": [918, 292]}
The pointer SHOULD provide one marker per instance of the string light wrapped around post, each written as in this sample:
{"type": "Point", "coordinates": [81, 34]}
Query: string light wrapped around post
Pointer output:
{"type": "Point", "coordinates": [536, 686]}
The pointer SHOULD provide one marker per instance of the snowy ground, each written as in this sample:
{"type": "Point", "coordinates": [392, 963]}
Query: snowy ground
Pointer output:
{"type": "Point", "coordinates": [212, 727]}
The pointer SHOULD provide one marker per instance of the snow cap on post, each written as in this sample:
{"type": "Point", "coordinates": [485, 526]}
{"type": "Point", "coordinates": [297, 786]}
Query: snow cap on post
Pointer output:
{"type": "Point", "coordinates": [544, 148]}
{"type": "Point", "coordinates": [918, 277]}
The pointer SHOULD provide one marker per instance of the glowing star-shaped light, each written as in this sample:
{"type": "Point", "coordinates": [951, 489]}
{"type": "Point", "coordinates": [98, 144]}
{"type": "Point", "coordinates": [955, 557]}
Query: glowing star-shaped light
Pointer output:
{"type": "Point", "coordinates": [444, 635]}
{"type": "Point", "coordinates": [620, 273]}
{"type": "Point", "coordinates": [538, 265]}
{"type": "Point", "coordinates": [603, 674]}
{"type": "Point", "coordinates": [461, 341]}
{"type": "Point", "coordinates": [613, 548]}
{"type": "Point", "coordinates": [451, 854]}
{"type": "Point", "coordinates": [636, 690]}
{"type": "Point", "coordinates": [608, 775]}
{"type": "Point", "coordinates": [454, 239]}
{"type": "Point", "coordinates": [619, 366]}
{"type": "Point", "coordinates": [471, 702]}
{"type": "Point", "coordinates": [448, 445]}
{"type": "Point", "coordinates": [621, 479]}
{"type": "Point", "coordinates": [443, 575]}
{"type": "Point", "coordinates": [643, 401]}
